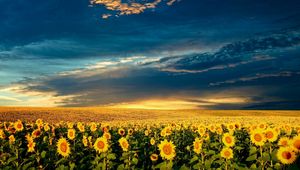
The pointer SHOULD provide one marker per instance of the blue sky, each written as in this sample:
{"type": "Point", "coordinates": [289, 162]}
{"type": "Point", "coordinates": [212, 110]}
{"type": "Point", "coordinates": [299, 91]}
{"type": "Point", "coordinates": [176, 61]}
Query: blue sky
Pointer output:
{"type": "Point", "coordinates": [208, 54]}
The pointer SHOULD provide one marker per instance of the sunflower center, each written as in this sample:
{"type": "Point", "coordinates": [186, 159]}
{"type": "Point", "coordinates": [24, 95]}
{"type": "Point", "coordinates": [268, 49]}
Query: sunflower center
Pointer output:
{"type": "Point", "coordinates": [37, 133]}
{"type": "Point", "coordinates": [228, 139]}
{"type": "Point", "coordinates": [196, 145]}
{"type": "Point", "coordinates": [153, 157]}
{"type": "Point", "coordinates": [284, 143]}
{"type": "Point", "coordinates": [269, 134]}
{"type": "Point", "coordinates": [167, 149]}
{"type": "Point", "coordinates": [63, 147]}
{"type": "Point", "coordinates": [124, 144]}
{"type": "Point", "coordinates": [100, 144]}
{"type": "Point", "coordinates": [297, 144]}
{"type": "Point", "coordinates": [258, 137]}
{"type": "Point", "coordinates": [19, 126]}
{"type": "Point", "coordinates": [227, 153]}
{"type": "Point", "coordinates": [286, 155]}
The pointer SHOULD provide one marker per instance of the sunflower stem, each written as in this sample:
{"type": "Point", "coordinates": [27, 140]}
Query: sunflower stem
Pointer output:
{"type": "Point", "coordinates": [271, 155]}
{"type": "Point", "coordinates": [261, 155]}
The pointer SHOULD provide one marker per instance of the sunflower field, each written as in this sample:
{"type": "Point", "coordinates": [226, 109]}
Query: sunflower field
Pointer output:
{"type": "Point", "coordinates": [149, 145]}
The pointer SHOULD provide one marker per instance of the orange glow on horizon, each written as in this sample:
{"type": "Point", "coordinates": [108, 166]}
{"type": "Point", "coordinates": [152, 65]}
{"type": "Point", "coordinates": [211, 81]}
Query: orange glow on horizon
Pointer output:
{"type": "Point", "coordinates": [177, 104]}
{"type": "Point", "coordinates": [160, 104]}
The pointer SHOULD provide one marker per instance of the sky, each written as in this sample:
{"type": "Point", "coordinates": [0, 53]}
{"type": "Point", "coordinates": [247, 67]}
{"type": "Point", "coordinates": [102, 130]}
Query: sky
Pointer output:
{"type": "Point", "coordinates": [158, 54]}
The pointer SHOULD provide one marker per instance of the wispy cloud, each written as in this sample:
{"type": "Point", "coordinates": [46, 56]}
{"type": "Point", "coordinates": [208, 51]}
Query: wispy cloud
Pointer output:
{"type": "Point", "coordinates": [220, 67]}
{"type": "Point", "coordinates": [256, 76]}
{"type": "Point", "coordinates": [9, 98]}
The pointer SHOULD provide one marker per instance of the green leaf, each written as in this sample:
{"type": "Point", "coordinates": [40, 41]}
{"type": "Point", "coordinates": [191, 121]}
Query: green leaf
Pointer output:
{"type": "Point", "coordinates": [158, 166]}
{"type": "Point", "coordinates": [184, 167]}
{"type": "Point", "coordinates": [111, 156]}
{"type": "Point", "coordinates": [135, 161]}
{"type": "Point", "coordinates": [253, 166]}
{"type": "Point", "coordinates": [61, 167]}
{"type": "Point", "coordinates": [253, 150]}
{"type": "Point", "coordinates": [239, 148]}
{"type": "Point", "coordinates": [72, 165]}
{"type": "Point", "coordinates": [274, 155]}
{"type": "Point", "coordinates": [277, 166]}
{"type": "Point", "coordinates": [43, 154]}
{"type": "Point", "coordinates": [11, 159]}
{"type": "Point", "coordinates": [26, 166]}
{"type": "Point", "coordinates": [60, 161]}
{"type": "Point", "coordinates": [207, 164]}
{"type": "Point", "coordinates": [195, 158]}
{"type": "Point", "coordinates": [211, 152]}
{"type": "Point", "coordinates": [266, 156]}
{"type": "Point", "coordinates": [252, 158]}
{"type": "Point", "coordinates": [121, 167]}
{"type": "Point", "coordinates": [197, 166]}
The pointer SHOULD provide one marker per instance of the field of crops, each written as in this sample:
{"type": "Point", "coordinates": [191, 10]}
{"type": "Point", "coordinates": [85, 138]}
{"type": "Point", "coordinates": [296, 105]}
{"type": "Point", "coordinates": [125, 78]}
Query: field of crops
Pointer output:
{"type": "Point", "coordinates": [209, 143]}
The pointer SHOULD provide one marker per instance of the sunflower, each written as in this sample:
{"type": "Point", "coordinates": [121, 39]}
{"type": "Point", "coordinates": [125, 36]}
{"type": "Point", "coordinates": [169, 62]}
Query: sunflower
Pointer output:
{"type": "Point", "coordinates": [121, 132]}
{"type": "Point", "coordinates": [80, 127]}
{"type": "Point", "coordinates": [11, 139]}
{"type": "Point", "coordinates": [152, 141]}
{"type": "Point", "coordinates": [2, 134]}
{"type": "Point", "coordinates": [163, 133]}
{"type": "Point", "coordinates": [101, 145]}
{"type": "Point", "coordinates": [201, 130]}
{"type": "Point", "coordinates": [206, 136]}
{"type": "Point", "coordinates": [271, 134]}
{"type": "Point", "coordinates": [130, 131]}
{"type": "Point", "coordinates": [90, 141]}
{"type": "Point", "coordinates": [29, 137]}
{"type": "Point", "coordinates": [168, 130]}
{"type": "Point", "coordinates": [219, 130]}
{"type": "Point", "coordinates": [154, 157]}
{"type": "Point", "coordinates": [197, 145]}
{"type": "Point", "coordinates": [31, 145]}
{"type": "Point", "coordinates": [18, 125]}
{"type": "Point", "coordinates": [107, 135]}
{"type": "Point", "coordinates": [167, 149]}
{"type": "Point", "coordinates": [124, 144]}
{"type": "Point", "coordinates": [39, 122]}
{"type": "Point", "coordinates": [257, 137]}
{"type": "Point", "coordinates": [227, 153]}
{"type": "Point", "coordinates": [46, 127]}
{"type": "Point", "coordinates": [63, 147]}
{"type": "Point", "coordinates": [284, 142]}
{"type": "Point", "coordinates": [295, 143]}
{"type": "Point", "coordinates": [262, 126]}
{"type": "Point", "coordinates": [105, 127]}
{"type": "Point", "coordinates": [146, 132]}
{"type": "Point", "coordinates": [71, 134]}
{"type": "Point", "coordinates": [85, 141]}
{"type": "Point", "coordinates": [286, 155]}
{"type": "Point", "coordinates": [70, 125]}
{"type": "Point", "coordinates": [212, 128]}
{"type": "Point", "coordinates": [228, 140]}
{"type": "Point", "coordinates": [230, 127]}
{"type": "Point", "coordinates": [36, 133]}
{"type": "Point", "coordinates": [93, 127]}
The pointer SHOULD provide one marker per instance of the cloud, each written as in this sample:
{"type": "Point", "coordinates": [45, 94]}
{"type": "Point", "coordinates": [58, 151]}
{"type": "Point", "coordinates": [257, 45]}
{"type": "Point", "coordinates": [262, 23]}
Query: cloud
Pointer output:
{"type": "Point", "coordinates": [141, 81]}
{"type": "Point", "coordinates": [257, 76]}
{"type": "Point", "coordinates": [128, 8]}
{"type": "Point", "coordinates": [220, 67]}
{"type": "Point", "coordinates": [9, 98]}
